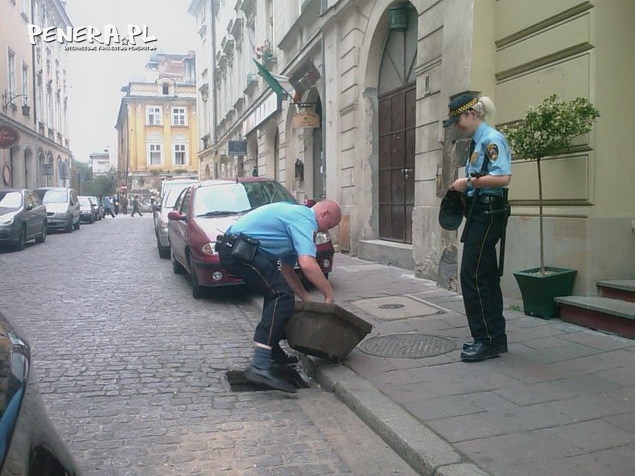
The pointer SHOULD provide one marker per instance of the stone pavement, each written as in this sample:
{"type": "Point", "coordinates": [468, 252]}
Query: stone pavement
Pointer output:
{"type": "Point", "coordinates": [561, 402]}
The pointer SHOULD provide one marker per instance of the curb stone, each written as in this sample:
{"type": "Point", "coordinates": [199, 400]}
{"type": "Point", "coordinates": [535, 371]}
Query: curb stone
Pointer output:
{"type": "Point", "coordinates": [425, 451]}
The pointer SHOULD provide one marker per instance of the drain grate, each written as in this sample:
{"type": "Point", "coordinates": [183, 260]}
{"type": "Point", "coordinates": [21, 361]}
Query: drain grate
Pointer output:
{"type": "Point", "coordinates": [407, 346]}
{"type": "Point", "coordinates": [238, 382]}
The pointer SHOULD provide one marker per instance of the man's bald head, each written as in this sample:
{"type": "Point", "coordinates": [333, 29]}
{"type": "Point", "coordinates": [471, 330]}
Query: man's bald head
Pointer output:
{"type": "Point", "coordinates": [328, 214]}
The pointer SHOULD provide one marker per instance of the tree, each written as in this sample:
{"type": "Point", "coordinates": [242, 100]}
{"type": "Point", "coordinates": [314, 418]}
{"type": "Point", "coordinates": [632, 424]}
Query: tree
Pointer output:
{"type": "Point", "coordinates": [547, 130]}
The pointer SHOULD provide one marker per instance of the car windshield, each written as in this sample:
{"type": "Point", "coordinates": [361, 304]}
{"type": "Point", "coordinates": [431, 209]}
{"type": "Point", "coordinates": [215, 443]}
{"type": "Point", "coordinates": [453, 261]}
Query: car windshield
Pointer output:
{"type": "Point", "coordinates": [10, 201]}
{"type": "Point", "coordinates": [84, 202]}
{"type": "Point", "coordinates": [233, 198]}
{"type": "Point", "coordinates": [169, 199]}
{"type": "Point", "coordinates": [56, 196]}
{"type": "Point", "coordinates": [170, 186]}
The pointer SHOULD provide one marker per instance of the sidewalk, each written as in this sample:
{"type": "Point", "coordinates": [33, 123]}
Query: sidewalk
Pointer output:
{"type": "Point", "coordinates": [561, 402]}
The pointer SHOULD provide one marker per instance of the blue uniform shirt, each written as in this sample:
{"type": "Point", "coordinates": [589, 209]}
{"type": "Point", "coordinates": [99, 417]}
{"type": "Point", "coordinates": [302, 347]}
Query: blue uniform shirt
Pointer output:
{"type": "Point", "coordinates": [285, 230]}
{"type": "Point", "coordinates": [492, 143]}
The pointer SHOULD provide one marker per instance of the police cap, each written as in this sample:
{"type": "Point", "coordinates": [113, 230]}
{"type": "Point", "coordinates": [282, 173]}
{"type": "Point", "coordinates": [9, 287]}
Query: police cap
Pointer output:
{"type": "Point", "coordinates": [451, 210]}
{"type": "Point", "coordinates": [458, 105]}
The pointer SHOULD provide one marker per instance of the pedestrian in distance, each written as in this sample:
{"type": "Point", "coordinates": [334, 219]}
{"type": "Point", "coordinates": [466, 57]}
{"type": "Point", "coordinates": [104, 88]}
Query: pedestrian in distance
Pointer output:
{"type": "Point", "coordinates": [487, 175]}
{"type": "Point", "coordinates": [250, 250]}
{"type": "Point", "coordinates": [124, 204]}
{"type": "Point", "coordinates": [135, 206]}
{"type": "Point", "coordinates": [107, 202]}
{"type": "Point", "coordinates": [115, 203]}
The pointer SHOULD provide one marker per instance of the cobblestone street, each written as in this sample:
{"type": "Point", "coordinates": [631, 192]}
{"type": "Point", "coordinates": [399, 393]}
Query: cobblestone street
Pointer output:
{"type": "Point", "coordinates": [132, 368]}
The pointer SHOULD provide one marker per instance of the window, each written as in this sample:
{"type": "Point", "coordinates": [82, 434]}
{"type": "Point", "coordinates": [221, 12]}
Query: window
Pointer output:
{"type": "Point", "coordinates": [26, 9]}
{"type": "Point", "coordinates": [178, 116]}
{"type": "Point", "coordinates": [154, 154]}
{"type": "Point", "coordinates": [153, 115]}
{"type": "Point", "coordinates": [166, 89]}
{"type": "Point", "coordinates": [25, 82]}
{"type": "Point", "coordinates": [180, 154]}
{"type": "Point", "coordinates": [11, 63]}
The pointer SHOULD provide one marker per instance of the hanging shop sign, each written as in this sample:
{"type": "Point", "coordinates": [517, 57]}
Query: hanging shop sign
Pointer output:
{"type": "Point", "coordinates": [8, 137]}
{"type": "Point", "coordinates": [237, 147]}
{"type": "Point", "coordinates": [306, 120]}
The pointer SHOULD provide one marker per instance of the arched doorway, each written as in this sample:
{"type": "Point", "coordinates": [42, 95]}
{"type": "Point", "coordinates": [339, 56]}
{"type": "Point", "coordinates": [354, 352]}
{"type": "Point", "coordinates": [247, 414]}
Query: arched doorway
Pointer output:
{"type": "Point", "coordinates": [397, 123]}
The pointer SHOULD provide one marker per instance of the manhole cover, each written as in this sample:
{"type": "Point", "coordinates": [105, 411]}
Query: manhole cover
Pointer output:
{"type": "Point", "coordinates": [391, 306]}
{"type": "Point", "coordinates": [407, 346]}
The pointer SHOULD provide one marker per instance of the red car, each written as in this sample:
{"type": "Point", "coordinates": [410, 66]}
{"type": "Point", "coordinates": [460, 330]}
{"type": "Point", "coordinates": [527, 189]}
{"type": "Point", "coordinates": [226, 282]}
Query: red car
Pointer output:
{"type": "Point", "coordinates": [205, 210]}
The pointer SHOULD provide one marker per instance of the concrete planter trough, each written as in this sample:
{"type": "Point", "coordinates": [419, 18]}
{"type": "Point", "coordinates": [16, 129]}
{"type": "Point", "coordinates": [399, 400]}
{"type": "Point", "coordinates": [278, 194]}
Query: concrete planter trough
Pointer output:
{"type": "Point", "coordinates": [325, 330]}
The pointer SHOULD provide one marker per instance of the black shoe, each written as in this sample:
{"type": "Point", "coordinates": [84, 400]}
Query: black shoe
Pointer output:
{"type": "Point", "coordinates": [500, 348]}
{"type": "Point", "coordinates": [479, 352]}
{"type": "Point", "coordinates": [266, 379]}
{"type": "Point", "coordinates": [280, 357]}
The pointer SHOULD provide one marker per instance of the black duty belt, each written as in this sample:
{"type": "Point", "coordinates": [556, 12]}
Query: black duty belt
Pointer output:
{"type": "Point", "coordinates": [495, 200]}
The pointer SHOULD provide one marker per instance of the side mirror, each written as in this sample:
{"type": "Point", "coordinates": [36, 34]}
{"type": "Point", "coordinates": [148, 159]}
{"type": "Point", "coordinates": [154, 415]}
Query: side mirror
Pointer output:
{"type": "Point", "coordinates": [176, 216]}
{"type": "Point", "coordinates": [29, 206]}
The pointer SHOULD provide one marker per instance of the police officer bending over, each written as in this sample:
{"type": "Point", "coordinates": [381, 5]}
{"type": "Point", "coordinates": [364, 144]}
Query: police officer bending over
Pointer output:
{"type": "Point", "coordinates": [250, 250]}
{"type": "Point", "coordinates": [488, 172]}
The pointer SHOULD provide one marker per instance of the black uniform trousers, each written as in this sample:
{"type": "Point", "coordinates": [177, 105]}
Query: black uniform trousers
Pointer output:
{"type": "Point", "coordinates": [263, 276]}
{"type": "Point", "coordinates": [480, 278]}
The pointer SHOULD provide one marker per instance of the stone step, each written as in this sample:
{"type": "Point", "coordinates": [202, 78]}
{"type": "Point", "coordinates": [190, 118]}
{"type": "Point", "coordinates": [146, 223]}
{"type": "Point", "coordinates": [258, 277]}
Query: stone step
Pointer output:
{"type": "Point", "coordinates": [623, 289]}
{"type": "Point", "coordinates": [598, 312]}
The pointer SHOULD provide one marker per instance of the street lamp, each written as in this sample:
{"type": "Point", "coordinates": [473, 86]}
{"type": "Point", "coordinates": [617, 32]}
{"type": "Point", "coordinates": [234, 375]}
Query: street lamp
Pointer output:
{"type": "Point", "coordinates": [7, 101]}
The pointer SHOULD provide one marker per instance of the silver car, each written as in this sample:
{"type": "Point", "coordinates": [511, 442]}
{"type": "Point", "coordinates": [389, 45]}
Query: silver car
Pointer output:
{"type": "Point", "coordinates": [62, 207]}
{"type": "Point", "coordinates": [170, 190]}
{"type": "Point", "coordinates": [22, 217]}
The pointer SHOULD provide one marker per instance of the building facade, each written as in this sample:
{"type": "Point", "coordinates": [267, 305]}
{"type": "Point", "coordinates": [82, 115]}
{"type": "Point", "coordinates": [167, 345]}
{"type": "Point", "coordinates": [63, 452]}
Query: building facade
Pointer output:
{"type": "Point", "coordinates": [100, 162]}
{"type": "Point", "coordinates": [34, 88]}
{"type": "Point", "coordinates": [157, 125]}
{"type": "Point", "coordinates": [375, 141]}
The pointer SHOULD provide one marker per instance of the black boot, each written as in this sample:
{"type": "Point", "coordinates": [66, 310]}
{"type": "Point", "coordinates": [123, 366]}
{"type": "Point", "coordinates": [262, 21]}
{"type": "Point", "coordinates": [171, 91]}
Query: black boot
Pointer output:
{"type": "Point", "coordinates": [478, 352]}
{"type": "Point", "coordinates": [259, 372]}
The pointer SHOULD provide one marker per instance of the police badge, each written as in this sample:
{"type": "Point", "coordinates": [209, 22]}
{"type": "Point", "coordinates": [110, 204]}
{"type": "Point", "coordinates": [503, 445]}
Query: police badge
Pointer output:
{"type": "Point", "coordinates": [492, 152]}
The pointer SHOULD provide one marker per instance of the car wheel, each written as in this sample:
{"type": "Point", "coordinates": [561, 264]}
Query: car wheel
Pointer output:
{"type": "Point", "coordinates": [177, 268]}
{"type": "Point", "coordinates": [77, 225]}
{"type": "Point", "coordinates": [69, 228]}
{"type": "Point", "coordinates": [164, 251]}
{"type": "Point", "coordinates": [198, 291]}
{"type": "Point", "coordinates": [42, 237]}
{"type": "Point", "coordinates": [21, 243]}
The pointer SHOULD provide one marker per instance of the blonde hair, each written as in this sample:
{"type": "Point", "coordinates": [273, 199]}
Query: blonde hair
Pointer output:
{"type": "Point", "coordinates": [485, 108]}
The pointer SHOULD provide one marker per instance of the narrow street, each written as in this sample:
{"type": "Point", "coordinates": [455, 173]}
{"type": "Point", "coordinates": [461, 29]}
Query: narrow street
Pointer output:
{"type": "Point", "coordinates": [133, 369]}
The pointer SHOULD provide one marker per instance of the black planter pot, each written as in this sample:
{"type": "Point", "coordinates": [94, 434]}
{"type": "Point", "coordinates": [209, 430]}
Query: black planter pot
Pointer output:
{"type": "Point", "coordinates": [538, 290]}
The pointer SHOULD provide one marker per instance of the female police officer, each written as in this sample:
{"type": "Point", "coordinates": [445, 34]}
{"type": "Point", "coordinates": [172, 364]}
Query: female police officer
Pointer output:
{"type": "Point", "coordinates": [488, 172]}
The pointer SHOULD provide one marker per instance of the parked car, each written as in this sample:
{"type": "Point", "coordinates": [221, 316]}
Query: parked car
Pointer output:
{"type": "Point", "coordinates": [170, 191]}
{"type": "Point", "coordinates": [30, 444]}
{"type": "Point", "coordinates": [205, 210]}
{"type": "Point", "coordinates": [100, 207]}
{"type": "Point", "coordinates": [22, 217]}
{"type": "Point", "coordinates": [87, 209]}
{"type": "Point", "coordinates": [62, 207]}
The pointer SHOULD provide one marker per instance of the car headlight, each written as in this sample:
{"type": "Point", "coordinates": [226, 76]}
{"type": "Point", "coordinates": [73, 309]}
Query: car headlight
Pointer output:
{"type": "Point", "coordinates": [6, 221]}
{"type": "Point", "coordinates": [208, 248]}
{"type": "Point", "coordinates": [321, 238]}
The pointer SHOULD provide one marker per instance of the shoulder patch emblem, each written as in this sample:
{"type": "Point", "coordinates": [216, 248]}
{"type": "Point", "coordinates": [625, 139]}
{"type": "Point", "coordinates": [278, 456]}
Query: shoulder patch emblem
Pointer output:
{"type": "Point", "coordinates": [492, 152]}
{"type": "Point", "coordinates": [474, 158]}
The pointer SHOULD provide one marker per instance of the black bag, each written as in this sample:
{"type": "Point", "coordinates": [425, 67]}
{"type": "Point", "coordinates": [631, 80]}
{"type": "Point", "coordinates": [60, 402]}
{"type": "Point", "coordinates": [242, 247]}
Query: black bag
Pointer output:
{"type": "Point", "coordinates": [245, 248]}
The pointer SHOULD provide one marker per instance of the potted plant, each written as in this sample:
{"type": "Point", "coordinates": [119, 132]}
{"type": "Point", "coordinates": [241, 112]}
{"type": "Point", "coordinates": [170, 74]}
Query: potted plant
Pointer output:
{"type": "Point", "coordinates": [545, 131]}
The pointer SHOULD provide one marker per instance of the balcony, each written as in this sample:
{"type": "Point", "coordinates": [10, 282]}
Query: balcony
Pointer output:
{"type": "Point", "coordinates": [252, 82]}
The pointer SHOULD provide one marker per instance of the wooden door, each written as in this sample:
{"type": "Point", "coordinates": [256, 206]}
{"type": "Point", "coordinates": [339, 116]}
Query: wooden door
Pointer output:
{"type": "Point", "coordinates": [396, 164]}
